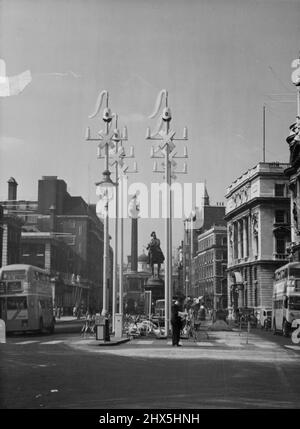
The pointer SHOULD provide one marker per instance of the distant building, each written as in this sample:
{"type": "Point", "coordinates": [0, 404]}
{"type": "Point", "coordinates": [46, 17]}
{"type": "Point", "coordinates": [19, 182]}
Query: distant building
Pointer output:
{"type": "Point", "coordinates": [63, 234]}
{"type": "Point", "coordinates": [10, 238]}
{"type": "Point", "coordinates": [210, 268]}
{"type": "Point", "coordinates": [258, 230]}
{"type": "Point", "coordinates": [10, 230]}
{"type": "Point", "coordinates": [205, 218]}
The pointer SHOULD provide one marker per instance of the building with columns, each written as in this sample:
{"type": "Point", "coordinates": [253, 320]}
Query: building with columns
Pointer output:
{"type": "Point", "coordinates": [293, 174]}
{"type": "Point", "coordinates": [258, 234]}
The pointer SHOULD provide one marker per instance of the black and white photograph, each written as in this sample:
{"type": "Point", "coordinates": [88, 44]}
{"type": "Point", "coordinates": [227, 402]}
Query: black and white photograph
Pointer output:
{"type": "Point", "coordinates": [149, 209]}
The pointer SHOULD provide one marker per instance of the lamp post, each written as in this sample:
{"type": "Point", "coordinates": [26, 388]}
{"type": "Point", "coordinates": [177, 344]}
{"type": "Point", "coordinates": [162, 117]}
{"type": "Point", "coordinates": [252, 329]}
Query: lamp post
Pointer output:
{"type": "Point", "coordinates": [117, 155]}
{"type": "Point", "coordinates": [104, 186]}
{"type": "Point", "coordinates": [122, 177]}
{"type": "Point", "coordinates": [165, 150]}
{"type": "Point", "coordinates": [105, 139]}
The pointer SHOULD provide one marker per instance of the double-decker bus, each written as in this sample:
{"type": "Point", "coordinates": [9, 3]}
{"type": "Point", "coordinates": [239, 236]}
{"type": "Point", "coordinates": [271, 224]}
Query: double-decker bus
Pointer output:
{"type": "Point", "coordinates": [26, 301]}
{"type": "Point", "coordinates": [286, 298]}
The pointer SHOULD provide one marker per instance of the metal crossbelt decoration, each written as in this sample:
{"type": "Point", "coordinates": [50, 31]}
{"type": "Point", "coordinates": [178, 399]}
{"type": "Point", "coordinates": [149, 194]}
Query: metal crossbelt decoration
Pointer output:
{"type": "Point", "coordinates": [166, 150]}
{"type": "Point", "coordinates": [12, 85]}
{"type": "Point", "coordinates": [166, 138]}
{"type": "Point", "coordinates": [112, 150]}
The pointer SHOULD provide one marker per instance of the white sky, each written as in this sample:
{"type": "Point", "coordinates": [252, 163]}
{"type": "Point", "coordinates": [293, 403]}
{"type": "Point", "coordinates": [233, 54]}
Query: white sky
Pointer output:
{"type": "Point", "coordinates": [219, 60]}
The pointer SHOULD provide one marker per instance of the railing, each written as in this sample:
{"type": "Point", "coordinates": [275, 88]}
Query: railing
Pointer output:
{"type": "Point", "coordinates": [281, 256]}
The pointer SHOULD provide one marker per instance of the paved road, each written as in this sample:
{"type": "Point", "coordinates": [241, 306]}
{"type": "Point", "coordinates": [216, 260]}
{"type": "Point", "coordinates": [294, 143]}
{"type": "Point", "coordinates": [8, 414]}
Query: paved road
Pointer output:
{"type": "Point", "coordinates": [224, 371]}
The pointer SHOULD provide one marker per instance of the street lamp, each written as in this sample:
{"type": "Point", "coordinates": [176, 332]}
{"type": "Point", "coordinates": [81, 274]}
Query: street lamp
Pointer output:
{"type": "Point", "coordinates": [116, 156]}
{"type": "Point", "coordinates": [122, 177]}
{"type": "Point", "coordinates": [104, 187]}
{"type": "Point", "coordinates": [166, 150]}
{"type": "Point", "coordinates": [106, 141]}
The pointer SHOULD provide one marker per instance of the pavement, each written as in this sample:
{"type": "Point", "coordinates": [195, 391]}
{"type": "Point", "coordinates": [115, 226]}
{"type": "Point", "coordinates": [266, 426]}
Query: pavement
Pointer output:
{"type": "Point", "coordinates": [229, 344]}
{"type": "Point", "coordinates": [222, 345]}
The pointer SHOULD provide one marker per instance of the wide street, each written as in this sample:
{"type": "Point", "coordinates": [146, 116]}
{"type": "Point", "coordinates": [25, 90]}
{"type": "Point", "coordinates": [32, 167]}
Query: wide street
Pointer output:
{"type": "Point", "coordinates": [226, 370]}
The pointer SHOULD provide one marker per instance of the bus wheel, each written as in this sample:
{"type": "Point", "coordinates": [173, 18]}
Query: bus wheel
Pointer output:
{"type": "Point", "coordinates": [285, 329]}
{"type": "Point", "coordinates": [274, 327]}
{"type": "Point", "coordinates": [41, 325]}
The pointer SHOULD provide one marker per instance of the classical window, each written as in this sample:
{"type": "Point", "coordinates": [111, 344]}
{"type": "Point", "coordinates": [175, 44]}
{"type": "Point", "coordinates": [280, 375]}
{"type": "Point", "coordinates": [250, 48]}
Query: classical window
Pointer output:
{"type": "Point", "coordinates": [280, 245]}
{"type": "Point", "coordinates": [280, 216]}
{"type": "Point", "coordinates": [279, 189]}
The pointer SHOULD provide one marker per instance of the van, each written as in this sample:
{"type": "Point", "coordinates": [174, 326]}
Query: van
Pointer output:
{"type": "Point", "coordinates": [265, 318]}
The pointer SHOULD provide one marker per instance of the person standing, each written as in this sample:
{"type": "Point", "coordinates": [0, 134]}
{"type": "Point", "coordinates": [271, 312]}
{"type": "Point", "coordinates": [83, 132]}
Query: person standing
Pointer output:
{"type": "Point", "coordinates": [176, 322]}
{"type": "Point", "coordinates": [202, 312]}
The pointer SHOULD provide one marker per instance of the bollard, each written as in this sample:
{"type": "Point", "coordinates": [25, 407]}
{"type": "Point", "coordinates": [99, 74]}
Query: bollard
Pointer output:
{"type": "Point", "coordinates": [2, 331]}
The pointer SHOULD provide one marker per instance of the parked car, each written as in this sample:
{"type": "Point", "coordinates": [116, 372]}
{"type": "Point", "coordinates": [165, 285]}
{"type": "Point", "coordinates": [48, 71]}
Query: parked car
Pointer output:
{"type": "Point", "coordinates": [265, 318]}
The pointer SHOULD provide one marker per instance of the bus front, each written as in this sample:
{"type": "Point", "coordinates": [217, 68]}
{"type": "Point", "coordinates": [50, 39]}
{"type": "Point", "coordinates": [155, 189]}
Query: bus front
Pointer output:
{"type": "Point", "coordinates": [13, 298]}
{"type": "Point", "coordinates": [292, 303]}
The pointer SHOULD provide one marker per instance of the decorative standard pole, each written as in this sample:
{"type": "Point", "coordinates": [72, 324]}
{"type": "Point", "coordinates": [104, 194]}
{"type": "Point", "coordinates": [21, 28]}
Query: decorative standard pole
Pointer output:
{"type": "Point", "coordinates": [165, 150]}
{"type": "Point", "coordinates": [116, 158]}
{"type": "Point", "coordinates": [192, 220]}
{"type": "Point", "coordinates": [124, 171]}
{"type": "Point", "coordinates": [106, 139]}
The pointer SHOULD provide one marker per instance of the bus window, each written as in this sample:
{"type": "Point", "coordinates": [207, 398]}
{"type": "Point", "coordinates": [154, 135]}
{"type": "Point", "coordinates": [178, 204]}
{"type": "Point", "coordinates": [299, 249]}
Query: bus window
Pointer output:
{"type": "Point", "coordinates": [17, 303]}
{"type": "Point", "coordinates": [294, 302]}
{"type": "Point", "coordinates": [13, 275]}
{"type": "Point", "coordinates": [13, 287]}
{"type": "Point", "coordinates": [294, 272]}
{"type": "Point", "coordinates": [285, 302]}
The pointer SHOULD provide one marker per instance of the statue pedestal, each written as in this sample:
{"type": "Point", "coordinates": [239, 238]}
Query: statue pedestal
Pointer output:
{"type": "Point", "coordinates": [156, 286]}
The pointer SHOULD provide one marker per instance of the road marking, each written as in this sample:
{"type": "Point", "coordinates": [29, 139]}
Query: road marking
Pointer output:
{"type": "Point", "coordinates": [53, 342]}
{"type": "Point", "coordinates": [142, 342]}
{"type": "Point", "coordinates": [28, 342]}
{"type": "Point", "coordinates": [196, 353]}
{"type": "Point", "coordinates": [205, 344]}
{"type": "Point", "coordinates": [293, 347]}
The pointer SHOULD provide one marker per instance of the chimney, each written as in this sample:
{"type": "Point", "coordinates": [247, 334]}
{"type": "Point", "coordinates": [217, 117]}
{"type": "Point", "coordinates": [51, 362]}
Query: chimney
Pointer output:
{"type": "Point", "coordinates": [12, 189]}
{"type": "Point", "coordinates": [52, 222]}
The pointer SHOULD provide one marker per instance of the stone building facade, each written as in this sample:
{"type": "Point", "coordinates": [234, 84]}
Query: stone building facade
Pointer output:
{"type": "Point", "coordinates": [293, 174]}
{"type": "Point", "coordinates": [258, 234]}
{"type": "Point", "coordinates": [210, 268]}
